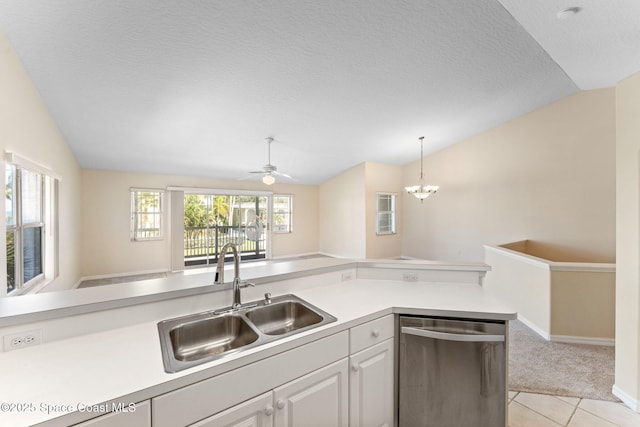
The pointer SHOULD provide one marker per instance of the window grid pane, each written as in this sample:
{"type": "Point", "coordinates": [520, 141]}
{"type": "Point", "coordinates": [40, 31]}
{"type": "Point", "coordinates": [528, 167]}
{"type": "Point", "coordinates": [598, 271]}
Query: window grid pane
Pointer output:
{"type": "Point", "coordinates": [11, 261]}
{"type": "Point", "coordinates": [32, 253]}
{"type": "Point", "coordinates": [282, 214]}
{"type": "Point", "coordinates": [386, 215]}
{"type": "Point", "coordinates": [146, 215]}
{"type": "Point", "coordinates": [10, 194]}
{"type": "Point", "coordinates": [31, 197]}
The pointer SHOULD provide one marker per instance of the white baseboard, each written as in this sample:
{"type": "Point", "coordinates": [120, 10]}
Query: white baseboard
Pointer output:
{"type": "Point", "coordinates": [626, 399]}
{"type": "Point", "coordinates": [307, 254]}
{"type": "Point", "coordinates": [610, 342]}
{"type": "Point", "coordinates": [533, 326]}
{"type": "Point", "coordinates": [333, 255]}
{"type": "Point", "coordinates": [409, 257]}
{"type": "Point", "coordinates": [112, 275]}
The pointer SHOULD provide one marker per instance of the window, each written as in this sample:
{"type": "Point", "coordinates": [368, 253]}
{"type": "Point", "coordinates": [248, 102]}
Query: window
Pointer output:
{"type": "Point", "coordinates": [30, 215]}
{"type": "Point", "coordinates": [386, 213]}
{"type": "Point", "coordinates": [146, 214]}
{"type": "Point", "coordinates": [282, 213]}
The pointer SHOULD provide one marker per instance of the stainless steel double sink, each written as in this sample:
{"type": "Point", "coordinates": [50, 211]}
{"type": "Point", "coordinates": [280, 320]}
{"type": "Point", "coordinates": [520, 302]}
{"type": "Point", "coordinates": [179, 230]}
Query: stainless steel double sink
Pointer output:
{"type": "Point", "coordinates": [198, 338]}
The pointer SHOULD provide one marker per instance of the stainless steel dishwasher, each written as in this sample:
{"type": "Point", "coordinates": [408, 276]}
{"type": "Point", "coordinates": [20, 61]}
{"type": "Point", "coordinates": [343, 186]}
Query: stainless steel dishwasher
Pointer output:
{"type": "Point", "coordinates": [451, 373]}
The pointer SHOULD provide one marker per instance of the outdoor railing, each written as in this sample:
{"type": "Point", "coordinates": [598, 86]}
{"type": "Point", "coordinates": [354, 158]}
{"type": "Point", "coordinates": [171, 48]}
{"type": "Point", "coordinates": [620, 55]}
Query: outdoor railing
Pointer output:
{"type": "Point", "coordinates": [202, 244]}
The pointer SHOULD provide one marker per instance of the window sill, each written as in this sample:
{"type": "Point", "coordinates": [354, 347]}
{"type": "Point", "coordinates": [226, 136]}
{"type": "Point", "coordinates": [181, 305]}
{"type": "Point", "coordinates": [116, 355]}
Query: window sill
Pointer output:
{"type": "Point", "coordinates": [36, 286]}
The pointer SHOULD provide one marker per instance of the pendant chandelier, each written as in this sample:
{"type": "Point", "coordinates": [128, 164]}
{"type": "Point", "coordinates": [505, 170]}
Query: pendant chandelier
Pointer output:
{"type": "Point", "coordinates": [422, 191]}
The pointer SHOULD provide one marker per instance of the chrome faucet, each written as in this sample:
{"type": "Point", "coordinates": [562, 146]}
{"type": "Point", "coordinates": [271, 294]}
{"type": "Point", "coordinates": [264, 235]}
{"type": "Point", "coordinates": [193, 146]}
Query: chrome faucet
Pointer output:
{"type": "Point", "coordinates": [237, 283]}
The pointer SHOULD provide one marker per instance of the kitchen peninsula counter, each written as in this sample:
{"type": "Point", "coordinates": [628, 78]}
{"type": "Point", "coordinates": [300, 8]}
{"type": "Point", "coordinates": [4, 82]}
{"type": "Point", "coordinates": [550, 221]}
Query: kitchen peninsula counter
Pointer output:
{"type": "Point", "coordinates": [124, 363]}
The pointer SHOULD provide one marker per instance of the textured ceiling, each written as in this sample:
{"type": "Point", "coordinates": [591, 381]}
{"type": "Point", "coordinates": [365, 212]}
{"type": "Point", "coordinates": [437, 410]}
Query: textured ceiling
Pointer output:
{"type": "Point", "coordinates": [194, 87]}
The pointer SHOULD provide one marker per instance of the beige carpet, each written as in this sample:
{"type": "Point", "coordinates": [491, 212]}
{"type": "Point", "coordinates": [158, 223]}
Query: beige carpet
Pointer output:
{"type": "Point", "coordinates": [575, 370]}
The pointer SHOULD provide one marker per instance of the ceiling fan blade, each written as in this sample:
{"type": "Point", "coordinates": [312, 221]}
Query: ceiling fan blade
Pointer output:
{"type": "Point", "coordinates": [256, 172]}
{"type": "Point", "coordinates": [284, 175]}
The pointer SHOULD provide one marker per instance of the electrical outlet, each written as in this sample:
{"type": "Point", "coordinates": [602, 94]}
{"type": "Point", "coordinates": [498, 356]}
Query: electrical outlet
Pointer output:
{"type": "Point", "coordinates": [410, 276]}
{"type": "Point", "coordinates": [348, 275]}
{"type": "Point", "coordinates": [22, 339]}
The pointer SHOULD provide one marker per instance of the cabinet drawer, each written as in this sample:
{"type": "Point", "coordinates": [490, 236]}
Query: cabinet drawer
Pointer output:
{"type": "Point", "coordinates": [370, 333]}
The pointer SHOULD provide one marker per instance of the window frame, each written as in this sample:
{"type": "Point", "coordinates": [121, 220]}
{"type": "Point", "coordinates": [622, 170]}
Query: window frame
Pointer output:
{"type": "Point", "coordinates": [135, 215]}
{"type": "Point", "coordinates": [287, 213]}
{"type": "Point", "coordinates": [46, 223]}
{"type": "Point", "coordinates": [392, 223]}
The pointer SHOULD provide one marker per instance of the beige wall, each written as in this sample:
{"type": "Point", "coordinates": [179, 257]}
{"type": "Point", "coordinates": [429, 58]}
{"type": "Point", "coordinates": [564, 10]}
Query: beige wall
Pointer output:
{"type": "Point", "coordinates": [304, 238]}
{"type": "Point", "coordinates": [27, 129]}
{"type": "Point", "coordinates": [381, 178]}
{"type": "Point", "coordinates": [583, 304]}
{"type": "Point", "coordinates": [627, 379]}
{"type": "Point", "coordinates": [563, 301]}
{"type": "Point", "coordinates": [342, 222]}
{"type": "Point", "coordinates": [106, 206]}
{"type": "Point", "coordinates": [348, 212]}
{"type": "Point", "coordinates": [548, 176]}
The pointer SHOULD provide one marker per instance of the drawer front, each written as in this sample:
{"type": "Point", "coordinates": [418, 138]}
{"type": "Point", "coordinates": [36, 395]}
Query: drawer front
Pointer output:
{"type": "Point", "coordinates": [370, 333]}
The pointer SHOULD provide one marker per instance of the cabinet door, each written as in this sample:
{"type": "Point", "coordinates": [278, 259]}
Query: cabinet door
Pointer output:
{"type": "Point", "coordinates": [257, 412]}
{"type": "Point", "coordinates": [140, 417]}
{"type": "Point", "coordinates": [319, 399]}
{"type": "Point", "coordinates": [371, 386]}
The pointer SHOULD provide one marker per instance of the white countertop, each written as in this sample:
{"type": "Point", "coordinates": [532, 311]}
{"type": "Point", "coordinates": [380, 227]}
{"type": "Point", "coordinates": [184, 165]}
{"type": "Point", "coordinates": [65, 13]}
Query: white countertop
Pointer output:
{"type": "Point", "coordinates": [51, 305]}
{"type": "Point", "coordinates": [127, 362]}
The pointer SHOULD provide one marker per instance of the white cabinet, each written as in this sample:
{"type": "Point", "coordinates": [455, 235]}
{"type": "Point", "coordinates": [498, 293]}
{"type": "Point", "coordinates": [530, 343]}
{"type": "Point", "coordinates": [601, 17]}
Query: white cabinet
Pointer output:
{"type": "Point", "coordinates": [257, 412]}
{"type": "Point", "coordinates": [317, 399]}
{"type": "Point", "coordinates": [371, 386]}
{"type": "Point", "coordinates": [371, 378]}
{"type": "Point", "coordinates": [201, 400]}
{"type": "Point", "coordinates": [139, 417]}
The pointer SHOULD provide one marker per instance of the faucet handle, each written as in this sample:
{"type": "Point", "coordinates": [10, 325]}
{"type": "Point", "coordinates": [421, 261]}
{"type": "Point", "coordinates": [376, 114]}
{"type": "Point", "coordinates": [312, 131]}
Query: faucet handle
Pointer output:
{"type": "Point", "coordinates": [245, 284]}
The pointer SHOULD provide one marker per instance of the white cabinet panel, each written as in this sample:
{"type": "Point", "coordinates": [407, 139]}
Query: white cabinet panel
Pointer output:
{"type": "Point", "coordinates": [371, 386]}
{"type": "Point", "coordinates": [141, 417]}
{"type": "Point", "coordinates": [370, 333]}
{"type": "Point", "coordinates": [257, 412]}
{"type": "Point", "coordinates": [201, 400]}
{"type": "Point", "coordinates": [319, 399]}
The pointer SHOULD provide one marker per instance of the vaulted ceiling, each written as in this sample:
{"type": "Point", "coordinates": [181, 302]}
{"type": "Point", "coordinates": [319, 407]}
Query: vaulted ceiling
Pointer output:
{"type": "Point", "coordinates": [193, 87]}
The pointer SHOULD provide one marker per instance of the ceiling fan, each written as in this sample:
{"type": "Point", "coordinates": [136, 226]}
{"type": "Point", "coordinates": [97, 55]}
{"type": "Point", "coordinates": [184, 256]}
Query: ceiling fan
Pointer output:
{"type": "Point", "coordinates": [269, 171]}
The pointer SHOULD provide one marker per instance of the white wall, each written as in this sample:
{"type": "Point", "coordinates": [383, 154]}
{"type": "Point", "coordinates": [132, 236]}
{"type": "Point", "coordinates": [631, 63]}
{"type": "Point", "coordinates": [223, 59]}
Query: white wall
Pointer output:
{"type": "Point", "coordinates": [627, 379]}
{"type": "Point", "coordinates": [106, 210]}
{"type": "Point", "coordinates": [548, 176]}
{"type": "Point", "coordinates": [342, 219]}
{"type": "Point", "coordinates": [27, 129]}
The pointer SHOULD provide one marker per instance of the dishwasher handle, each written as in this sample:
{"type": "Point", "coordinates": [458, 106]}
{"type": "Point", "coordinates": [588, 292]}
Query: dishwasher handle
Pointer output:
{"type": "Point", "coordinates": [451, 337]}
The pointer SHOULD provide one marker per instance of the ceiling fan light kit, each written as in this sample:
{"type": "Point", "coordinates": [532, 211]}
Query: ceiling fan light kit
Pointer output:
{"type": "Point", "coordinates": [269, 171]}
{"type": "Point", "coordinates": [268, 179]}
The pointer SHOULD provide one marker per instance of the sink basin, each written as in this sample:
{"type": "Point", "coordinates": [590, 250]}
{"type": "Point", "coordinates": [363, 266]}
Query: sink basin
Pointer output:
{"type": "Point", "coordinates": [212, 336]}
{"type": "Point", "coordinates": [283, 317]}
{"type": "Point", "coordinates": [202, 337]}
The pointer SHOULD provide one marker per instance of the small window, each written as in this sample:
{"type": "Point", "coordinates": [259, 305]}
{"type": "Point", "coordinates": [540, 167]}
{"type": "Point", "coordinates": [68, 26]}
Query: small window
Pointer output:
{"type": "Point", "coordinates": [146, 214]}
{"type": "Point", "coordinates": [282, 213]}
{"type": "Point", "coordinates": [386, 213]}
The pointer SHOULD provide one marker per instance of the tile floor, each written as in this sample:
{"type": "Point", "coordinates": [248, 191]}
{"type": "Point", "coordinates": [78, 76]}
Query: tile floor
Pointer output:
{"type": "Point", "coordinates": [540, 410]}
